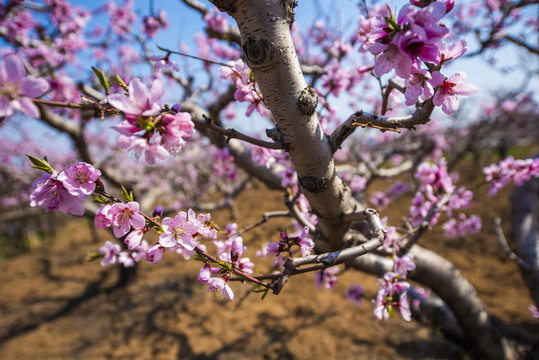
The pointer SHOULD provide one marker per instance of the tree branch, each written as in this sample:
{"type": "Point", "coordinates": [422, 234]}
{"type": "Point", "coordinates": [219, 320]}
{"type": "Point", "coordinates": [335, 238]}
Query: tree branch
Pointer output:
{"type": "Point", "coordinates": [360, 118]}
{"type": "Point", "coordinates": [292, 265]}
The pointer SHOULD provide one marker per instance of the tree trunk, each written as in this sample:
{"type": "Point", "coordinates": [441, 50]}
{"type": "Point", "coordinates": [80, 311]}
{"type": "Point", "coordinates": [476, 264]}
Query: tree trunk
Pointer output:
{"type": "Point", "coordinates": [268, 50]}
{"type": "Point", "coordinates": [525, 234]}
{"type": "Point", "coordinates": [448, 283]}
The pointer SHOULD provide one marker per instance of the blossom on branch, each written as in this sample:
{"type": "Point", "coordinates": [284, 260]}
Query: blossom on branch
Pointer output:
{"type": "Point", "coordinates": [80, 177]}
{"type": "Point", "coordinates": [17, 89]}
{"type": "Point", "coordinates": [448, 90]}
{"type": "Point", "coordinates": [53, 194]}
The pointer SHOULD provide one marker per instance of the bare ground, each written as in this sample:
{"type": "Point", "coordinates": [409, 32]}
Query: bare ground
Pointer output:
{"type": "Point", "coordinates": [56, 305]}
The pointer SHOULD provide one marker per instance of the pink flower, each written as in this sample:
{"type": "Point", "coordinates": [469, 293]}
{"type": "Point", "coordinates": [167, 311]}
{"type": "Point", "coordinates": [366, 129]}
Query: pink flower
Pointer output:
{"type": "Point", "coordinates": [245, 265]}
{"type": "Point", "coordinates": [154, 254]}
{"type": "Point", "coordinates": [534, 311]}
{"type": "Point", "coordinates": [379, 199]}
{"type": "Point", "coordinates": [220, 285]}
{"type": "Point", "coordinates": [447, 90]}
{"type": "Point", "coordinates": [418, 87]}
{"type": "Point", "coordinates": [236, 248]}
{"type": "Point", "coordinates": [103, 217]}
{"type": "Point", "coordinates": [51, 193]}
{"type": "Point", "coordinates": [140, 101]}
{"type": "Point", "coordinates": [125, 216]}
{"type": "Point", "coordinates": [134, 238]}
{"type": "Point", "coordinates": [404, 264]}
{"type": "Point", "coordinates": [327, 277]}
{"type": "Point", "coordinates": [355, 294]}
{"type": "Point", "coordinates": [205, 274]}
{"type": "Point", "coordinates": [179, 126]}
{"type": "Point", "coordinates": [16, 88]}
{"type": "Point", "coordinates": [178, 231]}
{"type": "Point", "coordinates": [305, 243]}
{"type": "Point", "coordinates": [110, 252]}
{"type": "Point", "coordinates": [80, 176]}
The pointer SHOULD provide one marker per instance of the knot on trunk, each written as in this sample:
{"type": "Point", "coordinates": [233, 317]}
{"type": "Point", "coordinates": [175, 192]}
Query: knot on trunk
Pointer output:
{"type": "Point", "coordinates": [256, 50]}
{"type": "Point", "coordinates": [289, 6]}
{"type": "Point", "coordinates": [308, 99]}
{"type": "Point", "coordinates": [314, 184]}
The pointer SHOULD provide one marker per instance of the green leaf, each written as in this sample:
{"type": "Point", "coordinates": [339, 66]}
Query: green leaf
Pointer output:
{"type": "Point", "coordinates": [102, 79]}
{"type": "Point", "coordinates": [41, 164]}
{"type": "Point", "coordinates": [128, 196]}
{"type": "Point", "coordinates": [92, 256]}
{"type": "Point", "coordinates": [100, 199]}
{"type": "Point", "coordinates": [118, 80]}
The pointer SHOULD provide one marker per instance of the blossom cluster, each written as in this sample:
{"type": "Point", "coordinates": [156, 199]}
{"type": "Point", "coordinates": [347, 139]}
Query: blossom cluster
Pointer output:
{"type": "Point", "coordinates": [152, 24]}
{"type": "Point", "coordinates": [414, 37]}
{"type": "Point", "coordinates": [392, 290]}
{"type": "Point", "coordinates": [17, 89]}
{"type": "Point", "coordinates": [381, 199]}
{"type": "Point", "coordinates": [510, 170]}
{"type": "Point", "coordinates": [146, 129]}
{"type": "Point", "coordinates": [64, 191]}
{"type": "Point", "coordinates": [230, 252]}
{"type": "Point", "coordinates": [112, 254]}
{"type": "Point", "coordinates": [246, 88]}
{"type": "Point", "coordinates": [436, 183]}
{"type": "Point", "coordinates": [286, 244]}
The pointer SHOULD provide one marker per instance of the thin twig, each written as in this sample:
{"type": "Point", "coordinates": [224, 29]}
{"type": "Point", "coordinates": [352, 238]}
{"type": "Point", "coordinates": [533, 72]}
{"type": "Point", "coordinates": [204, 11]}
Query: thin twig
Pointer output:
{"type": "Point", "coordinates": [360, 118]}
{"type": "Point", "coordinates": [322, 261]}
{"type": "Point", "coordinates": [425, 224]}
{"type": "Point", "coordinates": [235, 134]}
{"type": "Point", "coordinates": [265, 218]}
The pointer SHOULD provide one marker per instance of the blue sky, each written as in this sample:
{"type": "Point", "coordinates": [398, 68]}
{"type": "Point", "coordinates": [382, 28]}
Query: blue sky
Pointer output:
{"type": "Point", "coordinates": [184, 23]}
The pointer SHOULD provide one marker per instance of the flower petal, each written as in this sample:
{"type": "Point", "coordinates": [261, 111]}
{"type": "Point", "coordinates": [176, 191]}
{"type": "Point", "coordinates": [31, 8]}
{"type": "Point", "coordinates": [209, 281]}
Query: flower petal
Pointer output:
{"type": "Point", "coordinates": [33, 87]}
{"type": "Point", "coordinates": [12, 69]}
{"type": "Point", "coordinates": [27, 106]}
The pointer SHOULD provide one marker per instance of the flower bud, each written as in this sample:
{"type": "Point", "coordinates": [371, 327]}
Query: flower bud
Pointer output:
{"type": "Point", "coordinates": [157, 212]}
{"type": "Point", "coordinates": [176, 108]}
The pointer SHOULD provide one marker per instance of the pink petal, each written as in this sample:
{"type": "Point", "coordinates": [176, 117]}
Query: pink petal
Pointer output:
{"type": "Point", "coordinates": [123, 103]}
{"type": "Point", "coordinates": [450, 104]}
{"type": "Point", "coordinates": [12, 69]}
{"type": "Point", "coordinates": [33, 87]}
{"type": "Point", "coordinates": [27, 106]}
{"type": "Point", "coordinates": [382, 65]}
{"type": "Point", "coordinates": [5, 107]}
{"type": "Point", "coordinates": [437, 79]}
{"type": "Point", "coordinates": [138, 93]}
{"type": "Point", "coordinates": [458, 77]}
{"type": "Point", "coordinates": [137, 220]}
{"type": "Point", "coordinates": [156, 91]}
{"type": "Point", "coordinates": [465, 89]}
{"type": "Point", "coordinates": [167, 240]}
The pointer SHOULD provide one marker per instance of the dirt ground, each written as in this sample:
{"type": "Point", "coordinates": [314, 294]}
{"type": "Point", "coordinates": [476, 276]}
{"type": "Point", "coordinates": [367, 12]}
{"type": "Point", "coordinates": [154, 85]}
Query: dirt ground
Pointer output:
{"type": "Point", "coordinates": [56, 305]}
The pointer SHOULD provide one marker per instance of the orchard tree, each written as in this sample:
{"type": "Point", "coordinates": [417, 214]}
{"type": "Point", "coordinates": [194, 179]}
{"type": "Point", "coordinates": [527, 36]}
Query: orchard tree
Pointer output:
{"type": "Point", "coordinates": [155, 134]}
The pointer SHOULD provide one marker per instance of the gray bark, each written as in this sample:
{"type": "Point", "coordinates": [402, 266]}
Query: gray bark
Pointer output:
{"type": "Point", "coordinates": [525, 236]}
{"type": "Point", "coordinates": [448, 283]}
{"type": "Point", "coordinates": [268, 50]}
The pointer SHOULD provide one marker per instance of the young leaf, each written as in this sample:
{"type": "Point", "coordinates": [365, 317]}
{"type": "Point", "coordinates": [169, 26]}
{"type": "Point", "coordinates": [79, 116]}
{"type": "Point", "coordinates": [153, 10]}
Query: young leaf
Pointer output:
{"type": "Point", "coordinates": [101, 200]}
{"type": "Point", "coordinates": [41, 164]}
{"type": "Point", "coordinates": [118, 80]}
{"type": "Point", "coordinates": [128, 196]}
{"type": "Point", "coordinates": [102, 80]}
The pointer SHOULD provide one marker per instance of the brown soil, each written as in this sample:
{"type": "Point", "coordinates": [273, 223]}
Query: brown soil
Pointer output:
{"type": "Point", "coordinates": [56, 305]}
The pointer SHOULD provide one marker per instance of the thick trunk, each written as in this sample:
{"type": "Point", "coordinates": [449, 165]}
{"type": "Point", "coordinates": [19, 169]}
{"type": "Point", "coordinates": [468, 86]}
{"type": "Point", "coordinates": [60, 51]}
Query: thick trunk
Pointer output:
{"type": "Point", "coordinates": [448, 283]}
{"type": "Point", "coordinates": [525, 236]}
{"type": "Point", "coordinates": [268, 50]}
